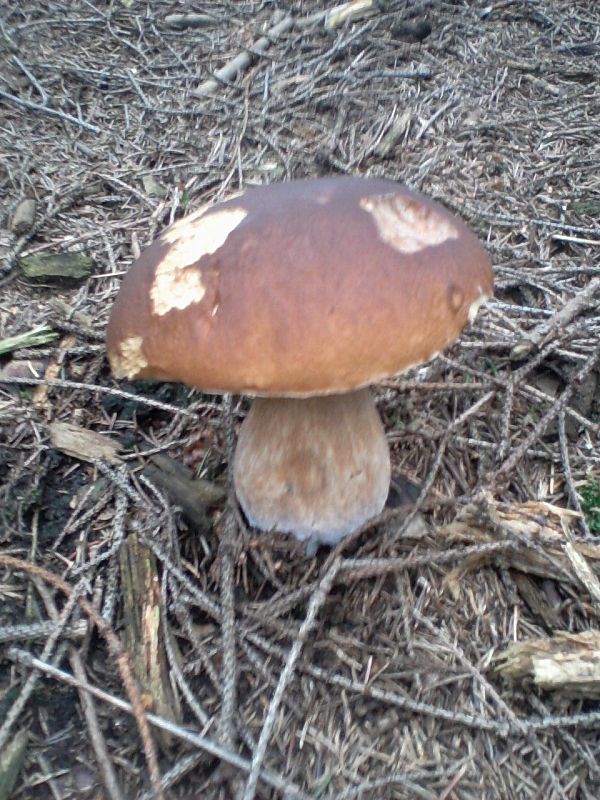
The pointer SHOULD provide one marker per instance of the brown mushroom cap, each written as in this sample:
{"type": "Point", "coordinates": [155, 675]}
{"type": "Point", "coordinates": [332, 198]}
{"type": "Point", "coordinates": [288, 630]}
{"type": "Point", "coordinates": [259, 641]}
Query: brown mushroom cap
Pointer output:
{"type": "Point", "coordinates": [299, 289]}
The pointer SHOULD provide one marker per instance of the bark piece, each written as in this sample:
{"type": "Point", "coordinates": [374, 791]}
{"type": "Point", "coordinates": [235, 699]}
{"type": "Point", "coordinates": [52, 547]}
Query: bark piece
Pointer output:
{"type": "Point", "coordinates": [84, 444]}
{"type": "Point", "coordinates": [144, 635]}
{"type": "Point", "coordinates": [567, 662]}
{"type": "Point", "coordinates": [182, 21]}
{"type": "Point", "coordinates": [536, 600]}
{"type": "Point", "coordinates": [24, 217]}
{"type": "Point", "coordinates": [541, 528]}
{"type": "Point", "coordinates": [65, 266]}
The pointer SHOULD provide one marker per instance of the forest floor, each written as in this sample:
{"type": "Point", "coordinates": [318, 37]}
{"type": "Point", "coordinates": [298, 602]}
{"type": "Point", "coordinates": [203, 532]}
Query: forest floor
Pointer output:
{"type": "Point", "coordinates": [451, 649]}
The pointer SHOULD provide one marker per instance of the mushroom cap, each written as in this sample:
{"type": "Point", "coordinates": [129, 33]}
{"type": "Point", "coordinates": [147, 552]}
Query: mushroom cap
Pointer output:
{"type": "Point", "coordinates": [298, 289]}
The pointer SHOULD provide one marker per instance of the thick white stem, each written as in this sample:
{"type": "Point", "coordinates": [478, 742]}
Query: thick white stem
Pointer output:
{"type": "Point", "coordinates": [318, 468]}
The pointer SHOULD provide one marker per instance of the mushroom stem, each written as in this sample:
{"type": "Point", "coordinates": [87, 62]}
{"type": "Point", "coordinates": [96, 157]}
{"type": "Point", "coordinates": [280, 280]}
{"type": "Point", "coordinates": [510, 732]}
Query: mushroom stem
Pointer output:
{"type": "Point", "coordinates": [318, 467]}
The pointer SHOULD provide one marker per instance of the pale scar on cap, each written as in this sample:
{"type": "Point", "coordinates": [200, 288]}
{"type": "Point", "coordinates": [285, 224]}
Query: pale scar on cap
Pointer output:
{"type": "Point", "coordinates": [201, 234]}
{"type": "Point", "coordinates": [476, 305]}
{"type": "Point", "coordinates": [405, 224]}
{"type": "Point", "coordinates": [129, 359]}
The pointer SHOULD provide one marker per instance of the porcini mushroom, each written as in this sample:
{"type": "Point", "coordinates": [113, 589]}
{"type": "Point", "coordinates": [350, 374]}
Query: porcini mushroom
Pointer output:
{"type": "Point", "coordinates": [302, 294]}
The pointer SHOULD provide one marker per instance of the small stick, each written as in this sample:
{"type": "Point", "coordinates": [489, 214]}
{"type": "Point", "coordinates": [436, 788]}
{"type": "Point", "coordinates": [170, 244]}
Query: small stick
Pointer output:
{"type": "Point", "coordinates": [541, 333]}
{"type": "Point", "coordinates": [390, 698]}
{"type": "Point", "coordinates": [353, 569]}
{"type": "Point", "coordinates": [114, 644]}
{"type": "Point", "coordinates": [566, 462]}
{"type": "Point", "coordinates": [227, 585]}
{"type": "Point", "coordinates": [109, 776]}
{"type": "Point", "coordinates": [243, 60]}
{"type": "Point", "coordinates": [433, 470]}
{"type": "Point", "coordinates": [333, 18]}
{"type": "Point", "coordinates": [490, 690]}
{"type": "Point", "coordinates": [28, 686]}
{"type": "Point", "coordinates": [348, 12]}
{"type": "Point", "coordinates": [50, 111]}
{"type": "Point", "coordinates": [560, 237]}
{"type": "Point", "coordinates": [59, 384]}
{"type": "Point", "coordinates": [38, 630]}
{"type": "Point", "coordinates": [317, 600]}
{"type": "Point", "coordinates": [229, 668]}
{"type": "Point", "coordinates": [270, 778]}
{"type": "Point", "coordinates": [558, 405]}
{"type": "Point", "coordinates": [429, 122]}
{"type": "Point", "coordinates": [32, 79]}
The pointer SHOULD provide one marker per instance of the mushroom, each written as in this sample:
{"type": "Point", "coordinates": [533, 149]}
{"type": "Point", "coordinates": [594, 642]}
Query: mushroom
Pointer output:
{"type": "Point", "coordinates": [302, 294]}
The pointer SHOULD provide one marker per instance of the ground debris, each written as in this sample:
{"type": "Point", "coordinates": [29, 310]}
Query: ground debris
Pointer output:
{"type": "Point", "coordinates": [87, 445]}
{"type": "Point", "coordinates": [24, 217]}
{"type": "Point", "coordinates": [393, 693]}
{"type": "Point", "coordinates": [12, 758]}
{"type": "Point", "coordinates": [568, 663]}
{"type": "Point", "coordinates": [539, 528]}
{"type": "Point", "coordinates": [63, 266]}
{"type": "Point", "coordinates": [144, 631]}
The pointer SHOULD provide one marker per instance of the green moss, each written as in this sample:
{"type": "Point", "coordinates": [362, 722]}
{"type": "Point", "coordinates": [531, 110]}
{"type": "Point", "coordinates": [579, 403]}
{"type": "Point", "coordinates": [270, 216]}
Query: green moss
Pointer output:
{"type": "Point", "coordinates": [590, 505]}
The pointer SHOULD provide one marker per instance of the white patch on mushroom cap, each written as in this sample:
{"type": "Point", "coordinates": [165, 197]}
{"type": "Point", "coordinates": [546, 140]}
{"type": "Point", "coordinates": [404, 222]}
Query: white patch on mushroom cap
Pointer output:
{"type": "Point", "coordinates": [407, 225]}
{"type": "Point", "coordinates": [190, 239]}
{"type": "Point", "coordinates": [175, 289]}
{"type": "Point", "coordinates": [476, 305]}
{"type": "Point", "coordinates": [129, 360]}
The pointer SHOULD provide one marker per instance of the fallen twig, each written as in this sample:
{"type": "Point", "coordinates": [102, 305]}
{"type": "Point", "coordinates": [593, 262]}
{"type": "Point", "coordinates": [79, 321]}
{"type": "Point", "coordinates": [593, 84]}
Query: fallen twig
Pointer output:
{"type": "Point", "coordinates": [50, 111]}
{"type": "Point", "coordinates": [333, 18]}
{"type": "Point", "coordinates": [89, 387]}
{"type": "Point", "coordinates": [559, 404]}
{"type": "Point", "coordinates": [227, 584]}
{"type": "Point", "coordinates": [117, 651]}
{"type": "Point", "coordinates": [317, 600]}
{"type": "Point", "coordinates": [243, 60]}
{"type": "Point", "coordinates": [185, 735]}
{"type": "Point", "coordinates": [542, 332]}
{"type": "Point", "coordinates": [109, 776]}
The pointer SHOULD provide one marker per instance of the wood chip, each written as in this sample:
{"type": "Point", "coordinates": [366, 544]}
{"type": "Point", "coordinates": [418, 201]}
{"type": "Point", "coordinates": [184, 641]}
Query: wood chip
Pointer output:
{"type": "Point", "coordinates": [63, 266]}
{"type": "Point", "coordinates": [144, 631]}
{"type": "Point", "coordinates": [567, 662]}
{"type": "Point", "coordinates": [583, 570]}
{"type": "Point", "coordinates": [541, 525]}
{"type": "Point", "coordinates": [24, 217]}
{"type": "Point", "coordinates": [349, 12]}
{"type": "Point", "coordinates": [84, 444]}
